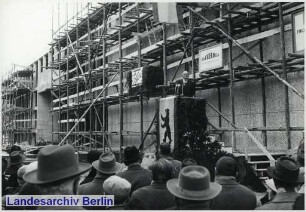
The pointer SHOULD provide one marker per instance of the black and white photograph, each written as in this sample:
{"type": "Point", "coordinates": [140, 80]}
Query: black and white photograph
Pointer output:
{"type": "Point", "coordinates": [152, 105]}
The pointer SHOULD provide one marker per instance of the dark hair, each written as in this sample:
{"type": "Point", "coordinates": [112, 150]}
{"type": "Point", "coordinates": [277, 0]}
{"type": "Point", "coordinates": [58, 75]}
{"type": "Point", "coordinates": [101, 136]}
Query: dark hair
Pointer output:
{"type": "Point", "coordinates": [188, 162]}
{"type": "Point", "coordinates": [165, 148]}
{"type": "Point", "coordinates": [93, 155]}
{"type": "Point", "coordinates": [226, 166]}
{"type": "Point", "coordinates": [15, 148]}
{"type": "Point", "coordinates": [162, 170]}
{"type": "Point", "coordinates": [279, 183]}
{"type": "Point", "coordinates": [131, 155]}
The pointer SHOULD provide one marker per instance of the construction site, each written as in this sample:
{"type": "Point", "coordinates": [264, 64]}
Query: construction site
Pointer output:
{"type": "Point", "coordinates": [107, 78]}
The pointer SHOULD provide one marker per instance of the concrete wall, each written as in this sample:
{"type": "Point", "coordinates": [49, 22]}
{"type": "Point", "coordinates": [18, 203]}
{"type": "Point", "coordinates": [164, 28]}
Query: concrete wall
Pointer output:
{"type": "Point", "coordinates": [248, 102]}
{"type": "Point", "coordinates": [131, 122]}
{"type": "Point", "coordinates": [44, 124]}
{"type": "Point", "coordinates": [44, 76]}
{"type": "Point", "coordinates": [248, 106]}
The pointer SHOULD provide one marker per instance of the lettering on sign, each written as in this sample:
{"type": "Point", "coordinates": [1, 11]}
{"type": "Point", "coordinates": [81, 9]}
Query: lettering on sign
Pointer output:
{"type": "Point", "coordinates": [210, 58]}
{"type": "Point", "coordinates": [298, 31]}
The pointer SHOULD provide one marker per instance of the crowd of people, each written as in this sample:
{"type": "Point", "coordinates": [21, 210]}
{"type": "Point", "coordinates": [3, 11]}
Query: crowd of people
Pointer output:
{"type": "Point", "coordinates": [165, 184]}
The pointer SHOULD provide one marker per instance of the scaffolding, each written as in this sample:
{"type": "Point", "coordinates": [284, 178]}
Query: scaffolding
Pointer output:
{"type": "Point", "coordinates": [18, 114]}
{"type": "Point", "coordinates": [91, 57]}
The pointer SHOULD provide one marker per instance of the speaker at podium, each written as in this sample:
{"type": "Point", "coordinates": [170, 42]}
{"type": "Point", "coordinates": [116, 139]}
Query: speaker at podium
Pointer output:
{"type": "Point", "coordinates": [179, 115]}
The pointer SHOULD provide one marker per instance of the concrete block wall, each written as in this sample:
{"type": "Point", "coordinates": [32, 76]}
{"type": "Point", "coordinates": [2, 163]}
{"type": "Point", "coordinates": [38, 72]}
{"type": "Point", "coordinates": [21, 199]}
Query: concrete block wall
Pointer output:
{"type": "Point", "coordinates": [131, 122]}
{"type": "Point", "coordinates": [248, 102]}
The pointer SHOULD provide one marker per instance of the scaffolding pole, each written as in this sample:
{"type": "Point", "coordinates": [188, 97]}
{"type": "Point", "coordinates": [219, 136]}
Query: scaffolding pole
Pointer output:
{"type": "Point", "coordinates": [283, 50]}
{"type": "Point", "coordinates": [86, 111]}
{"type": "Point", "coordinates": [165, 58]}
{"type": "Point", "coordinates": [139, 65]}
{"type": "Point", "coordinates": [217, 27]}
{"type": "Point", "coordinates": [263, 93]}
{"type": "Point", "coordinates": [120, 86]}
{"type": "Point", "coordinates": [104, 78]}
{"type": "Point", "coordinates": [232, 74]}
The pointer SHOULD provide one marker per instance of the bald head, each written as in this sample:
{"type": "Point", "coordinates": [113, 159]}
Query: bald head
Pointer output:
{"type": "Point", "coordinates": [185, 75]}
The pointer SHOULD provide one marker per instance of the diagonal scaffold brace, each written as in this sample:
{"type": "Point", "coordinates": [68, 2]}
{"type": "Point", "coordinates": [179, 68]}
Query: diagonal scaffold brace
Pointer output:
{"type": "Point", "coordinates": [248, 53]}
{"type": "Point", "coordinates": [86, 111]}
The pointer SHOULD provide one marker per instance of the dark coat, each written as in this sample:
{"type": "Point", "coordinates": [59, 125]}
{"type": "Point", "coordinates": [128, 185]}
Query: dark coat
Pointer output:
{"type": "Point", "coordinates": [153, 197]}
{"type": "Point", "coordinates": [137, 176]}
{"type": "Point", "coordinates": [89, 178]}
{"type": "Point", "coordinates": [281, 201]}
{"type": "Point", "coordinates": [4, 185]}
{"type": "Point", "coordinates": [188, 88]}
{"type": "Point", "coordinates": [29, 189]}
{"type": "Point", "coordinates": [233, 196]}
{"type": "Point", "coordinates": [95, 187]}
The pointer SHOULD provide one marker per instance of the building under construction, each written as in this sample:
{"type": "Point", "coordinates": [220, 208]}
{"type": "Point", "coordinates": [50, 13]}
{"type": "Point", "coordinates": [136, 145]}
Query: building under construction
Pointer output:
{"type": "Point", "coordinates": [93, 89]}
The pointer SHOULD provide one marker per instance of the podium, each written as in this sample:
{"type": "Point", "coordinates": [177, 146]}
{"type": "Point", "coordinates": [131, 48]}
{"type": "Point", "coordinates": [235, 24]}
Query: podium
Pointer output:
{"type": "Point", "coordinates": [179, 115]}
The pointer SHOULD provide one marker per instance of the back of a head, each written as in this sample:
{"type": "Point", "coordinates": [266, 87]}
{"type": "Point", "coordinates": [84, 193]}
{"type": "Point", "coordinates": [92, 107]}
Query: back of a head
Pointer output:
{"type": "Point", "coordinates": [118, 187]}
{"type": "Point", "coordinates": [15, 148]}
{"type": "Point", "coordinates": [165, 148]}
{"type": "Point", "coordinates": [131, 155]}
{"type": "Point", "coordinates": [188, 162]}
{"type": "Point", "coordinates": [162, 170]}
{"type": "Point", "coordinates": [226, 166]}
{"type": "Point", "coordinates": [93, 155]}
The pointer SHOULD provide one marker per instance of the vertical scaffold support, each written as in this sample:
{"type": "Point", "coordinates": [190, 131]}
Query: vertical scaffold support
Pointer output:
{"type": "Point", "coordinates": [232, 74]}
{"type": "Point", "coordinates": [283, 50]}
{"type": "Point", "coordinates": [165, 57]}
{"type": "Point", "coordinates": [139, 65]}
{"type": "Point", "coordinates": [120, 87]}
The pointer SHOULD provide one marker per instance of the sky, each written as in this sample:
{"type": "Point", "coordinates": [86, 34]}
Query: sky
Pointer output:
{"type": "Point", "coordinates": [26, 28]}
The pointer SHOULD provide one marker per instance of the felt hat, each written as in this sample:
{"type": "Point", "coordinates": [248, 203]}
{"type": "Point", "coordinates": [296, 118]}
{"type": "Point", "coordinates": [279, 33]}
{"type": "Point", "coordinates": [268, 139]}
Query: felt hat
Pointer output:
{"type": "Point", "coordinates": [194, 184]}
{"type": "Point", "coordinates": [107, 164]}
{"type": "Point", "coordinates": [16, 157]}
{"type": "Point", "coordinates": [287, 170]}
{"type": "Point", "coordinates": [56, 163]}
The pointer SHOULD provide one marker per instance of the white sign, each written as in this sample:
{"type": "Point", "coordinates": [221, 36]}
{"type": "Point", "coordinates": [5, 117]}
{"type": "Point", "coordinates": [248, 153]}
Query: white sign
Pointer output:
{"type": "Point", "coordinates": [210, 58]}
{"type": "Point", "coordinates": [298, 31]}
{"type": "Point", "coordinates": [137, 77]}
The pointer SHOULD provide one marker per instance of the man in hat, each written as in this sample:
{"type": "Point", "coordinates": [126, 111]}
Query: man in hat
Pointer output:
{"type": "Point", "coordinates": [193, 189]}
{"type": "Point", "coordinates": [55, 177]}
{"type": "Point", "coordinates": [233, 195]}
{"type": "Point", "coordinates": [165, 152]}
{"type": "Point", "coordinates": [92, 156]}
{"type": "Point", "coordinates": [146, 197]}
{"type": "Point", "coordinates": [186, 86]}
{"type": "Point", "coordinates": [16, 160]}
{"type": "Point", "coordinates": [286, 176]}
{"type": "Point", "coordinates": [135, 174]}
{"type": "Point", "coordinates": [120, 188]}
{"type": "Point", "coordinates": [106, 166]}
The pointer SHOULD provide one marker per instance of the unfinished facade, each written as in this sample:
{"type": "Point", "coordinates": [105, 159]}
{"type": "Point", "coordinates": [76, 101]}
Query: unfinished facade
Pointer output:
{"type": "Point", "coordinates": [83, 80]}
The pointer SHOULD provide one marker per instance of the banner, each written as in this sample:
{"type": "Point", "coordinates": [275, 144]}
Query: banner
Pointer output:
{"type": "Point", "coordinates": [210, 58]}
{"type": "Point", "coordinates": [137, 77]}
{"type": "Point", "coordinates": [298, 31]}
